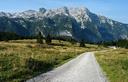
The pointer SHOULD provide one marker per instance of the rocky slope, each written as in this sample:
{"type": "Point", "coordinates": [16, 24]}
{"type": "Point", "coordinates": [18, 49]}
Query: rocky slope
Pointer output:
{"type": "Point", "coordinates": [78, 23]}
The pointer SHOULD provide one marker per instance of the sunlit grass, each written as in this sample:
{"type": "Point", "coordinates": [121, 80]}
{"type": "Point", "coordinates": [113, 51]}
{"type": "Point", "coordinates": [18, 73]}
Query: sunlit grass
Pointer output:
{"type": "Point", "coordinates": [115, 64]}
{"type": "Point", "coordinates": [24, 59]}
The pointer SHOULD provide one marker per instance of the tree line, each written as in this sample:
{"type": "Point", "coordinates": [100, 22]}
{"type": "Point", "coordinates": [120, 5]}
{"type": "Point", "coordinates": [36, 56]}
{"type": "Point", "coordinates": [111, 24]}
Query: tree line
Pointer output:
{"type": "Point", "coordinates": [118, 43]}
{"type": "Point", "coordinates": [6, 36]}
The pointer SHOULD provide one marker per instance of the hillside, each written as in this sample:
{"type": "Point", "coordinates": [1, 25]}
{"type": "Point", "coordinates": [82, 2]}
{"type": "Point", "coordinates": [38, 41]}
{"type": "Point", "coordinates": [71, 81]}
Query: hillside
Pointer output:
{"type": "Point", "coordinates": [78, 23]}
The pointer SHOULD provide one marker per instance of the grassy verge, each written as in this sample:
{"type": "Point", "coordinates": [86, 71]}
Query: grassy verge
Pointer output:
{"type": "Point", "coordinates": [24, 59]}
{"type": "Point", "coordinates": [115, 64]}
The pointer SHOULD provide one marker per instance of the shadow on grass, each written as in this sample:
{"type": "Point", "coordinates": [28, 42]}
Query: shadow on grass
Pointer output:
{"type": "Point", "coordinates": [36, 65]}
{"type": "Point", "coordinates": [32, 68]}
{"type": "Point", "coordinates": [53, 44]}
{"type": "Point", "coordinates": [2, 48]}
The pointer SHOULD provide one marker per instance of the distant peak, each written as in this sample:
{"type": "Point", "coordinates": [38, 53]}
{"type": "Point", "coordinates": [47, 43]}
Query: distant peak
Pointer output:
{"type": "Point", "coordinates": [82, 8]}
{"type": "Point", "coordinates": [43, 10]}
{"type": "Point", "coordinates": [31, 11]}
{"type": "Point", "coordinates": [64, 7]}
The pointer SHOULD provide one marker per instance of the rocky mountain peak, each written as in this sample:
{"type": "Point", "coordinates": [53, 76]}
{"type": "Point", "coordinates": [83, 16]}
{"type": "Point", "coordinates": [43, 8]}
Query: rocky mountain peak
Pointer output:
{"type": "Point", "coordinates": [76, 22]}
{"type": "Point", "coordinates": [42, 10]}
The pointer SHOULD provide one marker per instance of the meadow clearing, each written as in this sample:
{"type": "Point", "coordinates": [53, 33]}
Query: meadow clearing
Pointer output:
{"type": "Point", "coordinates": [114, 63]}
{"type": "Point", "coordinates": [24, 59]}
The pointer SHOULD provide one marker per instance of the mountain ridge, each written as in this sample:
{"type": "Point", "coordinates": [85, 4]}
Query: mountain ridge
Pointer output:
{"type": "Point", "coordinates": [78, 23]}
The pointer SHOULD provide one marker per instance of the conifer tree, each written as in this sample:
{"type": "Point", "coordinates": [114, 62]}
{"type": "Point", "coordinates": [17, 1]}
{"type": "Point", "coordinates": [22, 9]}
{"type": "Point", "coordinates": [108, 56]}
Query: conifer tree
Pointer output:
{"type": "Point", "coordinates": [82, 43]}
{"type": "Point", "coordinates": [48, 39]}
{"type": "Point", "coordinates": [39, 38]}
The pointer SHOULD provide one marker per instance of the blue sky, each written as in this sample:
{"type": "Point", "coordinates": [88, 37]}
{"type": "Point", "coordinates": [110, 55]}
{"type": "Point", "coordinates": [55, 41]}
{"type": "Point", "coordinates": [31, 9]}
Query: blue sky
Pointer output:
{"type": "Point", "coordinates": [114, 9]}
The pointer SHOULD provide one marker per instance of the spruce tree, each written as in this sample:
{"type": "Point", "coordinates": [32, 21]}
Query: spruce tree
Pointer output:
{"type": "Point", "coordinates": [39, 38]}
{"type": "Point", "coordinates": [82, 43]}
{"type": "Point", "coordinates": [48, 39]}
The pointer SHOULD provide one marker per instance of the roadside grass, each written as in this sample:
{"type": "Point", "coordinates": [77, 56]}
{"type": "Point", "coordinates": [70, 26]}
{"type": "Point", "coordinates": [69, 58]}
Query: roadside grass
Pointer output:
{"type": "Point", "coordinates": [24, 59]}
{"type": "Point", "coordinates": [114, 64]}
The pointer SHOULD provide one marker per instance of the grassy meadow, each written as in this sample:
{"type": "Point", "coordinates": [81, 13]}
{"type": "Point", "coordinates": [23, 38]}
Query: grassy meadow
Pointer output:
{"type": "Point", "coordinates": [115, 64]}
{"type": "Point", "coordinates": [24, 59]}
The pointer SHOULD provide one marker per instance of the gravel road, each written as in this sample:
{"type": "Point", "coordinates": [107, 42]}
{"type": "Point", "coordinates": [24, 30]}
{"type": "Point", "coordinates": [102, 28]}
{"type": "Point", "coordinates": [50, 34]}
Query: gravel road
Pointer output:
{"type": "Point", "coordinates": [84, 68]}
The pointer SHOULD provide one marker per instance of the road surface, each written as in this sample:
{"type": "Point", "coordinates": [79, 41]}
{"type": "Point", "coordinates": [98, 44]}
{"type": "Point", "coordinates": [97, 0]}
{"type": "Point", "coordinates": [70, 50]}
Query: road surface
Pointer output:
{"type": "Point", "coordinates": [84, 68]}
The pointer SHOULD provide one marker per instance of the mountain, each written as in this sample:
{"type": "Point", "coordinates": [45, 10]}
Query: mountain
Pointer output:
{"type": "Point", "coordinates": [78, 23]}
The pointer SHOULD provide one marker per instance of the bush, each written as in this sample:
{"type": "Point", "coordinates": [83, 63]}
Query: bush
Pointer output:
{"type": "Point", "coordinates": [29, 46]}
{"type": "Point", "coordinates": [82, 43]}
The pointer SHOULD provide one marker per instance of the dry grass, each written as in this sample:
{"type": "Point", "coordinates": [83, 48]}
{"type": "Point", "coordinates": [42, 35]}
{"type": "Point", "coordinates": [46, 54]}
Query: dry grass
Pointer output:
{"type": "Point", "coordinates": [23, 59]}
{"type": "Point", "coordinates": [115, 64]}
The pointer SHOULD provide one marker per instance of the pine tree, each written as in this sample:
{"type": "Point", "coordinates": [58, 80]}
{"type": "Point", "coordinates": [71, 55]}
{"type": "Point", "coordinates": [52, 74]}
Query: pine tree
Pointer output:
{"type": "Point", "coordinates": [82, 43]}
{"type": "Point", "coordinates": [39, 38]}
{"type": "Point", "coordinates": [48, 39]}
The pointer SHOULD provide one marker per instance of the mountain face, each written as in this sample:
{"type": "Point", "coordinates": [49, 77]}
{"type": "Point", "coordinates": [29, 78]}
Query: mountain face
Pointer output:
{"type": "Point", "coordinates": [78, 23]}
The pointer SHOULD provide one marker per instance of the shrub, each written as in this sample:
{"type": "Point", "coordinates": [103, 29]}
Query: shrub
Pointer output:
{"type": "Point", "coordinates": [82, 43]}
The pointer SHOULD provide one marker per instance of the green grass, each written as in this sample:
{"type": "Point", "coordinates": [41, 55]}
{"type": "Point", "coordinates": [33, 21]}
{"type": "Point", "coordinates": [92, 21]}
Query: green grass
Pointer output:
{"type": "Point", "coordinates": [24, 59]}
{"type": "Point", "coordinates": [115, 64]}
